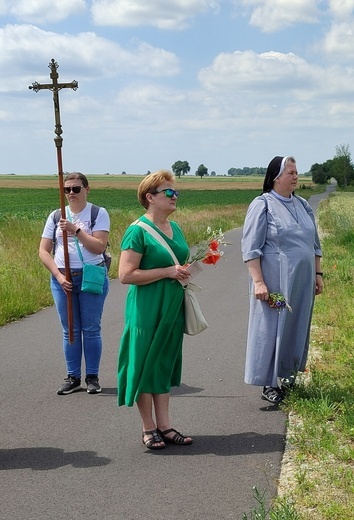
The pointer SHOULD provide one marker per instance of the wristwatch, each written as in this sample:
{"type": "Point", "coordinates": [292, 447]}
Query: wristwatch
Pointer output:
{"type": "Point", "coordinates": [77, 231]}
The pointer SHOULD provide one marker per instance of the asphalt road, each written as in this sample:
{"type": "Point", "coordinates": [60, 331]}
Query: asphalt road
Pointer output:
{"type": "Point", "coordinates": [79, 456]}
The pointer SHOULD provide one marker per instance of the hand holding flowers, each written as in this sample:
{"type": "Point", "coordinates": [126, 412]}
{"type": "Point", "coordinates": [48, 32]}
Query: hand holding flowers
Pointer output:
{"type": "Point", "coordinates": [277, 301]}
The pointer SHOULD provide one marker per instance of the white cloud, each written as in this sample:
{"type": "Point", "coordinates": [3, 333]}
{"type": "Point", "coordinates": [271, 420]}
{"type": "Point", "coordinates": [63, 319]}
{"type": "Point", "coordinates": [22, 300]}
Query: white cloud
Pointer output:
{"type": "Point", "coordinates": [25, 48]}
{"type": "Point", "coordinates": [151, 61]}
{"type": "Point", "coordinates": [268, 72]}
{"type": "Point", "coordinates": [276, 15]}
{"type": "Point", "coordinates": [40, 11]}
{"type": "Point", "coordinates": [252, 88]}
{"type": "Point", "coordinates": [240, 91]}
{"type": "Point", "coordinates": [338, 42]}
{"type": "Point", "coordinates": [341, 9]}
{"type": "Point", "coordinates": [171, 14]}
{"type": "Point", "coordinates": [149, 95]}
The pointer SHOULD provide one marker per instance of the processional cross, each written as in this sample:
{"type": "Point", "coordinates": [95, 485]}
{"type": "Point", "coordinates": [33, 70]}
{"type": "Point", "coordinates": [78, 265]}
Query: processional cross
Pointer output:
{"type": "Point", "coordinates": [58, 140]}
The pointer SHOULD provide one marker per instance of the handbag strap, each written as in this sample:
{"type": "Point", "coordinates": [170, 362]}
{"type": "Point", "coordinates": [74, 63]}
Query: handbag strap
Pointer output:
{"type": "Point", "coordinates": [157, 237]}
{"type": "Point", "coordinates": [162, 241]}
{"type": "Point", "coordinates": [76, 240]}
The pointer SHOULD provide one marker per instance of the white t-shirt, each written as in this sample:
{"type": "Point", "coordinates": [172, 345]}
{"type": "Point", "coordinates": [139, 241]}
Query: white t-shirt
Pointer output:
{"type": "Point", "coordinates": [82, 220]}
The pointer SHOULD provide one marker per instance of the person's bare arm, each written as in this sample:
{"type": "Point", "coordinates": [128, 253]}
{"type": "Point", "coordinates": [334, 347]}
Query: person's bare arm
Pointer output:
{"type": "Point", "coordinates": [255, 271]}
{"type": "Point", "coordinates": [45, 254]}
{"type": "Point", "coordinates": [130, 273]}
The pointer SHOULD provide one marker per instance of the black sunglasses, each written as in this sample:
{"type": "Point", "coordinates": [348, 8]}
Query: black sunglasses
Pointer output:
{"type": "Point", "coordinates": [74, 189]}
{"type": "Point", "coordinates": [169, 192]}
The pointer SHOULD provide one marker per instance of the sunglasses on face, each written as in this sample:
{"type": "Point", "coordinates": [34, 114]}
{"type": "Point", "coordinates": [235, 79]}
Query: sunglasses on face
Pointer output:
{"type": "Point", "coordinates": [74, 189]}
{"type": "Point", "coordinates": [169, 192]}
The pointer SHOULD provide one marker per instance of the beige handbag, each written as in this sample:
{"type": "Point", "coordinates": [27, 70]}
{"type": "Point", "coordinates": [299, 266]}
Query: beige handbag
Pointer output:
{"type": "Point", "coordinates": [194, 318]}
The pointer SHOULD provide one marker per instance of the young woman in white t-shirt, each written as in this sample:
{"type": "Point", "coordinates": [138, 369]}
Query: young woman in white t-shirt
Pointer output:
{"type": "Point", "coordinates": [87, 308]}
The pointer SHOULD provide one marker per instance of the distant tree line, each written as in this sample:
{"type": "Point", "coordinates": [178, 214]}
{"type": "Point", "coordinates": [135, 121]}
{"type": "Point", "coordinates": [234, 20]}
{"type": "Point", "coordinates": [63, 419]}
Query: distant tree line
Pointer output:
{"type": "Point", "coordinates": [234, 172]}
{"type": "Point", "coordinates": [182, 168]}
{"type": "Point", "coordinates": [340, 168]}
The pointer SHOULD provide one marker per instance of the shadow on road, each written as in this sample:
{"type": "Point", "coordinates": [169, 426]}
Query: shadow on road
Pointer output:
{"type": "Point", "coordinates": [41, 459]}
{"type": "Point", "coordinates": [227, 445]}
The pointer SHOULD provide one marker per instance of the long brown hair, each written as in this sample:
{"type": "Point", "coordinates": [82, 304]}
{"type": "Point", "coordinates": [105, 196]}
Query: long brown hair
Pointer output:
{"type": "Point", "coordinates": [77, 175]}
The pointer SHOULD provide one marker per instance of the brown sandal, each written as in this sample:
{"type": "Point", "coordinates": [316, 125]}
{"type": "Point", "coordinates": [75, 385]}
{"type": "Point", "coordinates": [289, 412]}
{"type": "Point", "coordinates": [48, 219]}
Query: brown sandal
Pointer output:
{"type": "Point", "coordinates": [178, 438]}
{"type": "Point", "coordinates": [152, 443]}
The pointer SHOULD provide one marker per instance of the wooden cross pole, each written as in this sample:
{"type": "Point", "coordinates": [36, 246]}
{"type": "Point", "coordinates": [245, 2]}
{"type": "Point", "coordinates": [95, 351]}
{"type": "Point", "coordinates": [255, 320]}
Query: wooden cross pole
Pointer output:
{"type": "Point", "coordinates": [58, 140]}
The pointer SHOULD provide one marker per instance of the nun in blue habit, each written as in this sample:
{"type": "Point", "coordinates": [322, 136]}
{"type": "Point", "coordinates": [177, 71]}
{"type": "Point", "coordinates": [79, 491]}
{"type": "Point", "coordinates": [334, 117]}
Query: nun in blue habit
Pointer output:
{"type": "Point", "coordinates": [281, 248]}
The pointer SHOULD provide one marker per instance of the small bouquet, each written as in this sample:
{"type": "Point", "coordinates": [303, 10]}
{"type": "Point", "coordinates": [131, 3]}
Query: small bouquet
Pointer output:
{"type": "Point", "coordinates": [277, 301]}
{"type": "Point", "coordinates": [208, 251]}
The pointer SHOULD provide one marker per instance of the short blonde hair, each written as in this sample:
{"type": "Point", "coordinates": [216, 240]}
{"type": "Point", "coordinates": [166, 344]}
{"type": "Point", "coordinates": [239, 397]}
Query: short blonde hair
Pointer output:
{"type": "Point", "coordinates": [151, 183]}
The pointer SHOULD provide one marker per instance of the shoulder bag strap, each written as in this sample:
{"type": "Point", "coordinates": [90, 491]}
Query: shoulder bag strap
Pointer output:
{"type": "Point", "coordinates": [94, 213]}
{"type": "Point", "coordinates": [163, 242]}
{"type": "Point", "coordinates": [265, 201]}
{"type": "Point", "coordinates": [300, 199]}
{"type": "Point", "coordinates": [157, 237]}
{"type": "Point", "coordinates": [56, 218]}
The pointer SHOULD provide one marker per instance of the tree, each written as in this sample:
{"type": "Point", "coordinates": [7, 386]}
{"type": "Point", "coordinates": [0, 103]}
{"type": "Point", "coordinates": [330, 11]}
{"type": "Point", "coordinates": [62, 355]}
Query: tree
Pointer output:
{"type": "Point", "coordinates": [232, 172]}
{"type": "Point", "coordinates": [213, 174]}
{"type": "Point", "coordinates": [321, 173]}
{"type": "Point", "coordinates": [342, 168]}
{"type": "Point", "coordinates": [180, 167]}
{"type": "Point", "coordinates": [202, 170]}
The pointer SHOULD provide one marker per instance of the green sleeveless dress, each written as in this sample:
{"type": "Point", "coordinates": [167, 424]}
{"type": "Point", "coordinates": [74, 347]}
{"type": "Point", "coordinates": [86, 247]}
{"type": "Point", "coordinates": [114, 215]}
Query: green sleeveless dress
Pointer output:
{"type": "Point", "coordinates": [150, 352]}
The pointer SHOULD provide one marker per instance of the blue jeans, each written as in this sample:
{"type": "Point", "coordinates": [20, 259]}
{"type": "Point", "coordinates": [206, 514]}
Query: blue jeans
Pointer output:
{"type": "Point", "coordinates": [87, 312]}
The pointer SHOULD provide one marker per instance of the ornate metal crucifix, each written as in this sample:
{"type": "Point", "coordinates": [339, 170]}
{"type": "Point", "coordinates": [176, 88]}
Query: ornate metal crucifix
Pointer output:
{"type": "Point", "coordinates": [55, 87]}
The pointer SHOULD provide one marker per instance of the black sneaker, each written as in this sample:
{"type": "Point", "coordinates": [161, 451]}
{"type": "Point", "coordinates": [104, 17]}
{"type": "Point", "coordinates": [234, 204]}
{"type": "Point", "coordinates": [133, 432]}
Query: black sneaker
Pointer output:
{"type": "Point", "coordinates": [93, 386]}
{"type": "Point", "coordinates": [272, 394]}
{"type": "Point", "coordinates": [72, 384]}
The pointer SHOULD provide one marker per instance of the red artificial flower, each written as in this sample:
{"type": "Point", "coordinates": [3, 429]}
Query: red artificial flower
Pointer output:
{"type": "Point", "coordinates": [214, 245]}
{"type": "Point", "coordinates": [208, 249]}
{"type": "Point", "coordinates": [211, 258]}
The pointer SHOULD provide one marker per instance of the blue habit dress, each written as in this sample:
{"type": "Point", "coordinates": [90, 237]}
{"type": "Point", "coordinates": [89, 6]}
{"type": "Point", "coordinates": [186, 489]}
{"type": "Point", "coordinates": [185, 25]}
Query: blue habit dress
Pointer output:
{"type": "Point", "coordinates": [282, 233]}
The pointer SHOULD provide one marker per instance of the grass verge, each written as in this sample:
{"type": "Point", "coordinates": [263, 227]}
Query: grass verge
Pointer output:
{"type": "Point", "coordinates": [317, 480]}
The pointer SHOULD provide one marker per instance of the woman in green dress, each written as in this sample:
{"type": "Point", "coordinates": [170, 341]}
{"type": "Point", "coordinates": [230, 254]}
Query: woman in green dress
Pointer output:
{"type": "Point", "coordinates": [150, 354]}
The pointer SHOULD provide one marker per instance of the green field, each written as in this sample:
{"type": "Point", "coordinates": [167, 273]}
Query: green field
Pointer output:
{"type": "Point", "coordinates": [25, 203]}
{"type": "Point", "coordinates": [33, 197]}
{"type": "Point", "coordinates": [31, 203]}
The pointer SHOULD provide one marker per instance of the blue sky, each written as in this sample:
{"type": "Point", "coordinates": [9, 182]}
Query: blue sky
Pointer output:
{"type": "Point", "coordinates": [224, 83]}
